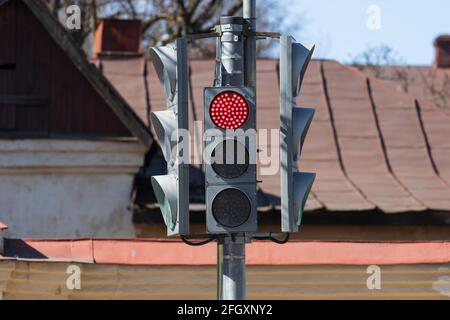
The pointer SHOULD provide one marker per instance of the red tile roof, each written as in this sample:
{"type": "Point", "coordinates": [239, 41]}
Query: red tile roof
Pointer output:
{"type": "Point", "coordinates": [427, 84]}
{"type": "Point", "coordinates": [173, 252]}
{"type": "Point", "coordinates": [372, 147]}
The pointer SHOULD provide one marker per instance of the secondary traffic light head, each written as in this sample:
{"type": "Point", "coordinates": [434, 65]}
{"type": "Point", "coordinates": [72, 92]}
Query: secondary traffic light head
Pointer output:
{"type": "Point", "coordinates": [171, 126]}
{"type": "Point", "coordinates": [295, 122]}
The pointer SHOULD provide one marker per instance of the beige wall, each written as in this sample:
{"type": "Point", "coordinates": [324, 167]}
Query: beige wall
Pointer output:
{"type": "Point", "coordinates": [48, 280]}
{"type": "Point", "coordinates": [62, 188]}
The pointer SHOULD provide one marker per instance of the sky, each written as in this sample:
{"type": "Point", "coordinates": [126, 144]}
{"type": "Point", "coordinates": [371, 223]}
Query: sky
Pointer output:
{"type": "Point", "coordinates": [342, 29]}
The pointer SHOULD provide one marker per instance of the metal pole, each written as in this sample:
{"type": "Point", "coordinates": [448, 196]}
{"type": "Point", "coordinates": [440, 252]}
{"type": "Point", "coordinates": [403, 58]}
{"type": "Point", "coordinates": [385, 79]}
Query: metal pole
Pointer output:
{"type": "Point", "coordinates": [232, 48]}
{"type": "Point", "coordinates": [249, 14]}
{"type": "Point", "coordinates": [233, 268]}
{"type": "Point", "coordinates": [237, 68]}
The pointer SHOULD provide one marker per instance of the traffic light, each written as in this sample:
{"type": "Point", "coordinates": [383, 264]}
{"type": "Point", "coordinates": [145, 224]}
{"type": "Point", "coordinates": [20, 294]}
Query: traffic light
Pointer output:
{"type": "Point", "coordinates": [230, 166]}
{"type": "Point", "coordinates": [294, 122]}
{"type": "Point", "coordinates": [171, 127]}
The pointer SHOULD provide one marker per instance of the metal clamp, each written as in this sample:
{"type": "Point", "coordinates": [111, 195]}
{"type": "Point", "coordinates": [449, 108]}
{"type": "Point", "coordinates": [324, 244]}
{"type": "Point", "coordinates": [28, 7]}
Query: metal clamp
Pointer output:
{"type": "Point", "coordinates": [216, 32]}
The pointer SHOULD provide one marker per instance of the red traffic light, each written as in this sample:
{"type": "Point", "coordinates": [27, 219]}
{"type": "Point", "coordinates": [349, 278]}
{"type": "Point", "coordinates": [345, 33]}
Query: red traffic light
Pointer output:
{"type": "Point", "coordinates": [229, 110]}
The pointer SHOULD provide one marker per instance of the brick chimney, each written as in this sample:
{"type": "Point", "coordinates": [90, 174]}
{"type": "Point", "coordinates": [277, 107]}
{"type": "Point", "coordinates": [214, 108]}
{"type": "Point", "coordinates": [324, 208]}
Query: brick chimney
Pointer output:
{"type": "Point", "coordinates": [118, 38]}
{"type": "Point", "coordinates": [442, 47]}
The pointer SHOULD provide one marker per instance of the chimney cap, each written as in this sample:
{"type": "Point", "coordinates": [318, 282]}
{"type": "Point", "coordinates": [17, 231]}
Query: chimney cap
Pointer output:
{"type": "Point", "coordinates": [442, 48]}
{"type": "Point", "coordinates": [441, 39]}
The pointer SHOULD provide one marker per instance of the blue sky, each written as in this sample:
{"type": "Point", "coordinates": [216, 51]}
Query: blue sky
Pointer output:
{"type": "Point", "coordinates": [339, 27]}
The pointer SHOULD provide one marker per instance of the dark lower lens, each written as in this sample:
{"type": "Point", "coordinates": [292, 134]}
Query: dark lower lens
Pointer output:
{"type": "Point", "coordinates": [230, 159]}
{"type": "Point", "coordinates": [231, 208]}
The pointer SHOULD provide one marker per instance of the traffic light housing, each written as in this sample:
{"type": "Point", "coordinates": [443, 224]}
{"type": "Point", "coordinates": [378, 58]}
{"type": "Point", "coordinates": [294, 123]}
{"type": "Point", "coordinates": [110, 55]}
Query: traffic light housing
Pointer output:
{"type": "Point", "coordinates": [294, 125]}
{"type": "Point", "coordinates": [171, 127]}
{"type": "Point", "coordinates": [230, 159]}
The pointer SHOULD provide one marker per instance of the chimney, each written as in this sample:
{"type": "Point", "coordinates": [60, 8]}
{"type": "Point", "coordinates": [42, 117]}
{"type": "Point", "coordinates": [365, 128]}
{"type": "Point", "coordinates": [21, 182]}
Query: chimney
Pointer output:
{"type": "Point", "coordinates": [118, 38]}
{"type": "Point", "coordinates": [442, 47]}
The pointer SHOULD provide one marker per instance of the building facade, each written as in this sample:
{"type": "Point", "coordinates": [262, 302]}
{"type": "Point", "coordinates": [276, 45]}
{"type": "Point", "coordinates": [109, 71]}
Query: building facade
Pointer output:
{"type": "Point", "coordinates": [70, 146]}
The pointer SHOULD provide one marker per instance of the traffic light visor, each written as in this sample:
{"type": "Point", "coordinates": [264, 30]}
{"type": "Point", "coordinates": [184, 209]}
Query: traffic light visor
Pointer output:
{"type": "Point", "coordinates": [165, 189]}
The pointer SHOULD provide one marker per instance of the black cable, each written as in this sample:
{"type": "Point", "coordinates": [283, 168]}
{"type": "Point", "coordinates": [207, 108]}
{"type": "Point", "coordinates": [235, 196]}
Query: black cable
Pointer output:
{"type": "Point", "coordinates": [273, 239]}
{"type": "Point", "coordinates": [280, 241]}
{"type": "Point", "coordinates": [201, 243]}
{"type": "Point", "coordinates": [197, 244]}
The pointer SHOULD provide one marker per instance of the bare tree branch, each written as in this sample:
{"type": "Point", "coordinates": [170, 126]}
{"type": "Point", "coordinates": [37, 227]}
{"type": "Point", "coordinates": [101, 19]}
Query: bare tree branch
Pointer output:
{"type": "Point", "coordinates": [164, 20]}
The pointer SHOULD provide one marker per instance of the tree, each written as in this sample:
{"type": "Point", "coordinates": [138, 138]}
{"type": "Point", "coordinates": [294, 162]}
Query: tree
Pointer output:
{"type": "Point", "coordinates": [384, 63]}
{"type": "Point", "coordinates": [164, 20]}
{"type": "Point", "coordinates": [438, 87]}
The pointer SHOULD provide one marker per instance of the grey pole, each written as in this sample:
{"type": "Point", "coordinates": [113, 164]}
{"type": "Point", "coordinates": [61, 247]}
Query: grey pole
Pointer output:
{"type": "Point", "coordinates": [250, 16]}
{"type": "Point", "coordinates": [231, 248]}
{"type": "Point", "coordinates": [233, 268]}
{"type": "Point", "coordinates": [237, 68]}
{"type": "Point", "coordinates": [232, 51]}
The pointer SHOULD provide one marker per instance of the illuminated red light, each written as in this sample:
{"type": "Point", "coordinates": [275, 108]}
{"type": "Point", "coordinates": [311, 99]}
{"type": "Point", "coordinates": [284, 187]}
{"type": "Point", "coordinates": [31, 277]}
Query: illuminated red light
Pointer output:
{"type": "Point", "coordinates": [229, 110]}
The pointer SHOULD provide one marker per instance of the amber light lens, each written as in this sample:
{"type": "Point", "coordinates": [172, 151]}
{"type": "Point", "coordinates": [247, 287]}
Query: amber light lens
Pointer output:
{"type": "Point", "coordinates": [229, 110]}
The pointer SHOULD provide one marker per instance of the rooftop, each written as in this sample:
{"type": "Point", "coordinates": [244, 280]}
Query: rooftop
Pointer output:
{"type": "Point", "coordinates": [373, 147]}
